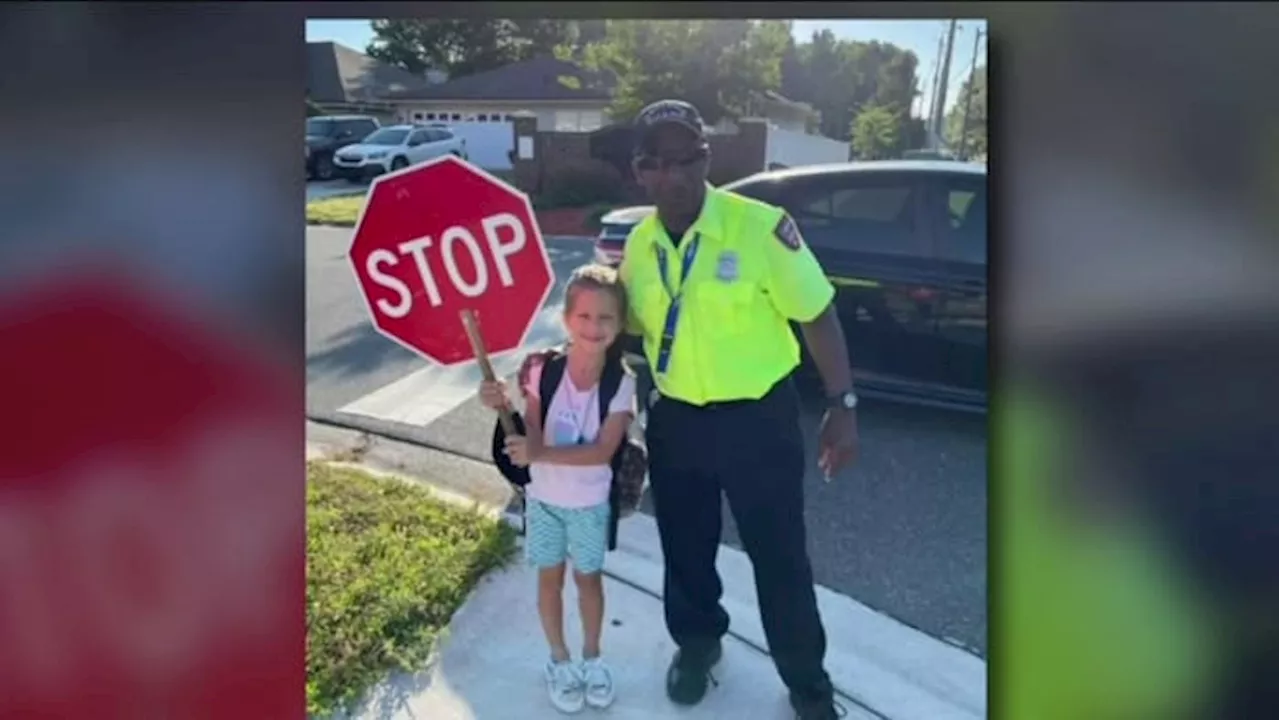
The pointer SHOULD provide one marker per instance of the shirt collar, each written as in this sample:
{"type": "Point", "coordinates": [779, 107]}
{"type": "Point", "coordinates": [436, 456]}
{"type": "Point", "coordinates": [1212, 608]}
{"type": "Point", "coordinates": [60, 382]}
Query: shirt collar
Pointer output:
{"type": "Point", "coordinates": [710, 220]}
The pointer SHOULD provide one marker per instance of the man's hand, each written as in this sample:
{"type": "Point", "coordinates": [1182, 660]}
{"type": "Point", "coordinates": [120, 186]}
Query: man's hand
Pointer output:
{"type": "Point", "coordinates": [837, 441]}
{"type": "Point", "coordinates": [838, 435]}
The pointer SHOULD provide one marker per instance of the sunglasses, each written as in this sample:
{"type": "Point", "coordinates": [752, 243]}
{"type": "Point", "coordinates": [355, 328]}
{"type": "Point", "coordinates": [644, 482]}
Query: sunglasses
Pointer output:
{"type": "Point", "coordinates": [650, 163]}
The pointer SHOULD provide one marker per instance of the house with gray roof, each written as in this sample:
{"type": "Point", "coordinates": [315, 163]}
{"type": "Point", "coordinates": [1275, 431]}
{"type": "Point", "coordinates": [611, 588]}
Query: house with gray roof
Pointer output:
{"type": "Point", "coordinates": [563, 96]}
{"type": "Point", "coordinates": [341, 80]}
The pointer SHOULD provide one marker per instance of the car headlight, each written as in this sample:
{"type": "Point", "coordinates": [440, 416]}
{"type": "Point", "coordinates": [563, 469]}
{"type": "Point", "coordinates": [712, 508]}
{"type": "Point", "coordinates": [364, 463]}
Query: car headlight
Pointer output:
{"type": "Point", "coordinates": [377, 155]}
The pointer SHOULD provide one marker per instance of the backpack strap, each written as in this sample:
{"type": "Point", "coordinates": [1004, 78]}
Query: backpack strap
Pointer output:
{"type": "Point", "coordinates": [553, 366]}
{"type": "Point", "coordinates": [610, 381]}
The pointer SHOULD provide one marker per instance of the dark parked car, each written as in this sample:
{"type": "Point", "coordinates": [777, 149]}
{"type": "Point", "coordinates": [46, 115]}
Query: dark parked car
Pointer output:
{"type": "Point", "coordinates": [905, 243]}
{"type": "Point", "coordinates": [327, 133]}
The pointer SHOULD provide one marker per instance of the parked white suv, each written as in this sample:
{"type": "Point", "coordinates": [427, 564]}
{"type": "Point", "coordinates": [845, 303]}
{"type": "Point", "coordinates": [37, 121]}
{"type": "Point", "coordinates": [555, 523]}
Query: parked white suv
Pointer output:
{"type": "Point", "coordinates": [395, 147]}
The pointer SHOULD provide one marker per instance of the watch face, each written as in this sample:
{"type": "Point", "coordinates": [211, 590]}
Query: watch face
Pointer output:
{"type": "Point", "coordinates": [849, 401]}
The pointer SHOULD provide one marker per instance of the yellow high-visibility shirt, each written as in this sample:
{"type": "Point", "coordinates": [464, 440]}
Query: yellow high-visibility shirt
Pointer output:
{"type": "Point", "coordinates": [751, 274]}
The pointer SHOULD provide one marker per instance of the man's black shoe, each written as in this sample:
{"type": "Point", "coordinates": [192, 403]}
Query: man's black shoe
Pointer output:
{"type": "Point", "coordinates": [688, 674]}
{"type": "Point", "coordinates": [827, 709]}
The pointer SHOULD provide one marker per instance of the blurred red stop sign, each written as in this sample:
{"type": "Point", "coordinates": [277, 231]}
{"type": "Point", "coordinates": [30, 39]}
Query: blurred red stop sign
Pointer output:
{"type": "Point", "coordinates": [152, 523]}
{"type": "Point", "coordinates": [442, 237]}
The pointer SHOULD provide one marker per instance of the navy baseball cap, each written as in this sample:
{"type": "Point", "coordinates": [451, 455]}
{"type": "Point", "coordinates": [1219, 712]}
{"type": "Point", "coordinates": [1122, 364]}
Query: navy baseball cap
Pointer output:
{"type": "Point", "coordinates": [668, 112]}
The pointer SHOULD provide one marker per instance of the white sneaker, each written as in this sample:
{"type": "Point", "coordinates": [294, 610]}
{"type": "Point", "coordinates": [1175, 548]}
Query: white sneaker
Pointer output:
{"type": "Point", "coordinates": [564, 686]}
{"type": "Point", "coordinates": [597, 680]}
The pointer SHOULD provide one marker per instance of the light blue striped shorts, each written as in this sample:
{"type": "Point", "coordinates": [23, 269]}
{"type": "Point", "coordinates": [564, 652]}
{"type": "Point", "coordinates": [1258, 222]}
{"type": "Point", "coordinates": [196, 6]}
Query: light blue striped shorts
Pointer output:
{"type": "Point", "coordinates": [553, 533]}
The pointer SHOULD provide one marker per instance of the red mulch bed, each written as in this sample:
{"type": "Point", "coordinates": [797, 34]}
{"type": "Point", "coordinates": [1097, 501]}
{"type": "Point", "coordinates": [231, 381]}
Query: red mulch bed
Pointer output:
{"type": "Point", "coordinates": [565, 221]}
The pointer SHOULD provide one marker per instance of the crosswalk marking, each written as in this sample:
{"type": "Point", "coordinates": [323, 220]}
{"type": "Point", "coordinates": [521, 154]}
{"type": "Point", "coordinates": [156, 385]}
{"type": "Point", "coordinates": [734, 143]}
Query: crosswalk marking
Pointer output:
{"type": "Point", "coordinates": [421, 397]}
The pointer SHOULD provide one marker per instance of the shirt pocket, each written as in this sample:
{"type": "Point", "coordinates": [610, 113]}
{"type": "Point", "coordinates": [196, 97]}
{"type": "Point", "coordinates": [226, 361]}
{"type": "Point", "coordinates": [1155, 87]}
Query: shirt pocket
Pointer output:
{"type": "Point", "coordinates": [724, 309]}
{"type": "Point", "coordinates": [648, 299]}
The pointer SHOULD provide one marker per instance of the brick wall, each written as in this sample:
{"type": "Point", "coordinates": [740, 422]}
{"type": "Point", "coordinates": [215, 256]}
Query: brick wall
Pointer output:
{"type": "Point", "coordinates": [733, 156]}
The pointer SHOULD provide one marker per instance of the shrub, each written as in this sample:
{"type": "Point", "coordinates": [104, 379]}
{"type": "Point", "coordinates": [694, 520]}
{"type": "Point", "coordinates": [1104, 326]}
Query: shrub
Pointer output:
{"type": "Point", "coordinates": [596, 214]}
{"type": "Point", "coordinates": [581, 185]}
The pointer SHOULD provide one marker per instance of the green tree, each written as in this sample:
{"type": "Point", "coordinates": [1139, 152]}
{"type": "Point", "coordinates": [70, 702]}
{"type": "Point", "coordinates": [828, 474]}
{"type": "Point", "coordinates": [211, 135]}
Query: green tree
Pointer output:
{"type": "Point", "coordinates": [877, 132]}
{"type": "Point", "coordinates": [838, 78]}
{"type": "Point", "coordinates": [973, 93]}
{"type": "Point", "coordinates": [463, 47]}
{"type": "Point", "coordinates": [718, 65]}
{"type": "Point", "coordinates": [828, 85]}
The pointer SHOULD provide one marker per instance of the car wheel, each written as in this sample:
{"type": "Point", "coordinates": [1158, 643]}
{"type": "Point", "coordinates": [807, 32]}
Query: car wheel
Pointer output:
{"type": "Point", "coordinates": [324, 168]}
{"type": "Point", "coordinates": [399, 164]}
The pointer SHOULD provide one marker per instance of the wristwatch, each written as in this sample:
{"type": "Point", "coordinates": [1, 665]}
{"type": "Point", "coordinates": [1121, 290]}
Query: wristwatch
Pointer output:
{"type": "Point", "coordinates": [846, 400]}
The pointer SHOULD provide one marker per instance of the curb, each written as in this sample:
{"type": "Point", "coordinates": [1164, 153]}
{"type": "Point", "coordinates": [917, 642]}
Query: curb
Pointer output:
{"type": "Point", "coordinates": [876, 662]}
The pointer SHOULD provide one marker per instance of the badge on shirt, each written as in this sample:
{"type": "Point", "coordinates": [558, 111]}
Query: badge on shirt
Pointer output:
{"type": "Point", "coordinates": [787, 233]}
{"type": "Point", "coordinates": [727, 266]}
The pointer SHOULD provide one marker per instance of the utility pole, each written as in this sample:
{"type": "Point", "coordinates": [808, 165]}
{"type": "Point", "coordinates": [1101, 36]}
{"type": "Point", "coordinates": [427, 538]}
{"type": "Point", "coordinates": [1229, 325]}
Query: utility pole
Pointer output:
{"type": "Point", "coordinates": [931, 140]}
{"type": "Point", "coordinates": [968, 97]}
{"type": "Point", "coordinates": [940, 100]}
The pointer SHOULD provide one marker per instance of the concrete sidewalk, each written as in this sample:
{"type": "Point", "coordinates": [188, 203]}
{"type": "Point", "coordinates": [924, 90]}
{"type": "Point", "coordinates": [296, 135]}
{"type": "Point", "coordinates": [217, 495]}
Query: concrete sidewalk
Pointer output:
{"type": "Point", "coordinates": [489, 666]}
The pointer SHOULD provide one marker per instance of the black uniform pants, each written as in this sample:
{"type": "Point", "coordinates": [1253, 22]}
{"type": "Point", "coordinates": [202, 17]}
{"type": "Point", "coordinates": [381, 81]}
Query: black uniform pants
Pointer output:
{"type": "Point", "coordinates": [753, 452]}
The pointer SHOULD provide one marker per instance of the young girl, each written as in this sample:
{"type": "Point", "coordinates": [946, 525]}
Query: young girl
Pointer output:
{"type": "Point", "coordinates": [567, 508]}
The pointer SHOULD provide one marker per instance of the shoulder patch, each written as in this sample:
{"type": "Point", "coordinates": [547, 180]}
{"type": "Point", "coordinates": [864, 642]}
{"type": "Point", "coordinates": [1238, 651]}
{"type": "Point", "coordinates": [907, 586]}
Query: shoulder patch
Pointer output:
{"type": "Point", "coordinates": [787, 232]}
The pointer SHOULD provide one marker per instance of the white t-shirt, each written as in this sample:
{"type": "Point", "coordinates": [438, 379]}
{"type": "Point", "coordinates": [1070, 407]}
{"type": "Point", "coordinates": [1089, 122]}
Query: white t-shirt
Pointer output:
{"type": "Point", "coordinates": [573, 417]}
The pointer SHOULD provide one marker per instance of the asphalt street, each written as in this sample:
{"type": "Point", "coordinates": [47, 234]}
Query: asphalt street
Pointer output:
{"type": "Point", "coordinates": [904, 531]}
{"type": "Point", "coordinates": [317, 189]}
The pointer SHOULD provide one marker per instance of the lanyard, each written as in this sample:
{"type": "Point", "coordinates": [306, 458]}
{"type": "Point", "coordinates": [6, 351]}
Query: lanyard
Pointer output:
{"type": "Point", "coordinates": [673, 312]}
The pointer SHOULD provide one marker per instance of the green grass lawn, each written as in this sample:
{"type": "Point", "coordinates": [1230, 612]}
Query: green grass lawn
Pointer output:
{"type": "Point", "coordinates": [342, 210]}
{"type": "Point", "coordinates": [387, 566]}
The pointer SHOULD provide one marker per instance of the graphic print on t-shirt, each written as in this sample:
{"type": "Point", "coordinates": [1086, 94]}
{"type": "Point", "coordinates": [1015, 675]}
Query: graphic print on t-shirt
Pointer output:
{"type": "Point", "coordinates": [570, 424]}
{"type": "Point", "coordinates": [564, 431]}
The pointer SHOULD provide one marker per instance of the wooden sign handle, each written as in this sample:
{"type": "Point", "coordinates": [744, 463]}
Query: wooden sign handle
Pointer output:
{"type": "Point", "coordinates": [472, 327]}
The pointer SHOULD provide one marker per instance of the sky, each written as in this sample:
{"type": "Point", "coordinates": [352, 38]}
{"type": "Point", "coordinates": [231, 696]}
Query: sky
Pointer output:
{"type": "Point", "coordinates": [919, 36]}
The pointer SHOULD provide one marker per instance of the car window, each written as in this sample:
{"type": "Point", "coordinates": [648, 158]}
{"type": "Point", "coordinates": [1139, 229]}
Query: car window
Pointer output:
{"type": "Point", "coordinates": [762, 190]}
{"type": "Point", "coordinates": [320, 127]}
{"type": "Point", "coordinates": [863, 212]}
{"type": "Point", "coordinates": [419, 137]}
{"type": "Point", "coordinates": [387, 136]}
{"type": "Point", "coordinates": [362, 128]}
{"type": "Point", "coordinates": [964, 234]}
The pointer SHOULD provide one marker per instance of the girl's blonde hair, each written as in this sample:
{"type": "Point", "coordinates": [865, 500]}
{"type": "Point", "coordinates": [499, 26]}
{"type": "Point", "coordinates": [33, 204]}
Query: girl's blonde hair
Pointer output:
{"type": "Point", "coordinates": [596, 277]}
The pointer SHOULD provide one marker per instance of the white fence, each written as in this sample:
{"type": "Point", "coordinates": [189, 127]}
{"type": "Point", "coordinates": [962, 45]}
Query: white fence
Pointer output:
{"type": "Point", "coordinates": [788, 148]}
{"type": "Point", "coordinates": [488, 143]}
